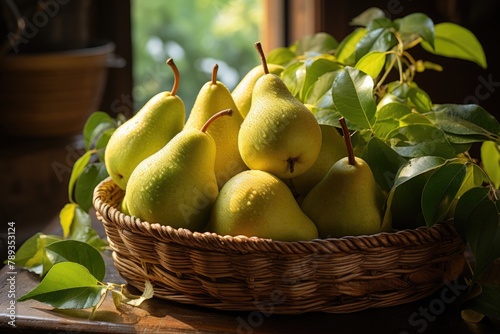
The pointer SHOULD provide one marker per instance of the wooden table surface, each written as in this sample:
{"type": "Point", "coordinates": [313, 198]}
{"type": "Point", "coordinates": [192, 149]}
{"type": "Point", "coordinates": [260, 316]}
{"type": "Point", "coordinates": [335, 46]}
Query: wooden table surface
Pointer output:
{"type": "Point", "coordinates": [161, 316]}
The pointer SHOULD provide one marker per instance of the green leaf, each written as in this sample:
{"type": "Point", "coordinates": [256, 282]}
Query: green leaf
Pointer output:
{"type": "Point", "coordinates": [417, 140]}
{"type": "Point", "coordinates": [77, 170]}
{"type": "Point", "coordinates": [31, 255]}
{"type": "Point", "coordinates": [486, 303]}
{"type": "Point", "coordinates": [454, 41]}
{"type": "Point", "coordinates": [372, 63]}
{"type": "Point", "coordinates": [440, 190]}
{"type": "Point", "coordinates": [66, 216]}
{"type": "Point", "coordinates": [294, 77]}
{"type": "Point", "coordinates": [319, 94]}
{"type": "Point", "coordinates": [315, 68]}
{"type": "Point", "coordinates": [404, 200]}
{"type": "Point", "coordinates": [419, 99]}
{"type": "Point", "coordinates": [100, 145]}
{"type": "Point", "coordinates": [318, 43]}
{"type": "Point", "coordinates": [476, 220]}
{"type": "Point", "coordinates": [490, 157]}
{"type": "Point", "coordinates": [133, 300]}
{"type": "Point", "coordinates": [327, 116]}
{"type": "Point", "coordinates": [96, 124]}
{"type": "Point", "coordinates": [466, 120]}
{"type": "Point", "coordinates": [388, 116]}
{"type": "Point", "coordinates": [67, 285]}
{"type": "Point", "coordinates": [352, 94]}
{"type": "Point", "coordinates": [91, 176]}
{"type": "Point", "coordinates": [79, 252]}
{"type": "Point", "coordinates": [383, 161]}
{"type": "Point", "coordinates": [416, 25]}
{"type": "Point", "coordinates": [380, 39]}
{"type": "Point", "coordinates": [418, 166]}
{"type": "Point", "coordinates": [346, 51]}
{"type": "Point", "coordinates": [280, 56]}
{"type": "Point", "coordinates": [368, 16]}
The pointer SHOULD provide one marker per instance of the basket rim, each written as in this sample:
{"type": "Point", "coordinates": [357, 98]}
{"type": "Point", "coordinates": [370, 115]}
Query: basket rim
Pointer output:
{"type": "Point", "coordinates": [222, 243]}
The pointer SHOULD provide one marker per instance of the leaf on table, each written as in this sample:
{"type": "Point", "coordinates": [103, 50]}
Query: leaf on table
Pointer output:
{"type": "Point", "coordinates": [79, 252]}
{"type": "Point", "coordinates": [67, 285]}
{"type": "Point", "coordinates": [440, 190]}
{"type": "Point", "coordinates": [454, 41]}
{"type": "Point", "coordinates": [124, 297]}
{"type": "Point", "coordinates": [32, 256]}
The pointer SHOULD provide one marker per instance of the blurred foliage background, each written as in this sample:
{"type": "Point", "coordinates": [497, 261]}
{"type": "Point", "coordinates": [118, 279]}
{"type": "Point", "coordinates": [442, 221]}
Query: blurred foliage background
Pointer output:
{"type": "Point", "coordinates": [196, 34]}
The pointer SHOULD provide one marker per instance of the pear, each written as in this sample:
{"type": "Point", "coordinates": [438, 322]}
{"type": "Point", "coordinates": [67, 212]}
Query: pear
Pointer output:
{"type": "Point", "coordinates": [332, 149]}
{"type": "Point", "coordinates": [176, 186]}
{"type": "Point", "coordinates": [347, 201]}
{"type": "Point", "coordinates": [279, 135]}
{"type": "Point", "coordinates": [242, 93]}
{"type": "Point", "coordinates": [257, 203]}
{"type": "Point", "coordinates": [213, 97]}
{"type": "Point", "coordinates": [158, 121]}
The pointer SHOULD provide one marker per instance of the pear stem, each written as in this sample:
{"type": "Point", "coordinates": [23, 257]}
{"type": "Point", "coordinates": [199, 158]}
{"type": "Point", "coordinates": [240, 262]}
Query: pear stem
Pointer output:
{"type": "Point", "coordinates": [214, 74]}
{"type": "Point", "coordinates": [225, 112]}
{"type": "Point", "coordinates": [258, 46]}
{"type": "Point", "coordinates": [170, 62]}
{"type": "Point", "coordinates": [291, 163]}
{"type": "Point", "coordinates": [348, 142]}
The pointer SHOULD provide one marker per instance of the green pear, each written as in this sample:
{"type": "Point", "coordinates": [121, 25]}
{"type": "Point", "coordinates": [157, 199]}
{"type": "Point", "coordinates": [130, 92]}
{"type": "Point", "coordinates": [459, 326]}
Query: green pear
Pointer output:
{"type": "Point", "coordinates": [242, 93]}
{"type": "Point", "coordinates": [347, 201]}
{"type": "Point", "coordinates": [158, 121]}
{"type": "Point", "coordinates": [332, 149]}
{"type": "Point", "coordinates": [176, 186]}
{"type": "Point", "coordinates": [279, 135]}
{"type": "Point", "coordinates": [257, 203]}
{"type": "Point", "coordinates": [213, 97]}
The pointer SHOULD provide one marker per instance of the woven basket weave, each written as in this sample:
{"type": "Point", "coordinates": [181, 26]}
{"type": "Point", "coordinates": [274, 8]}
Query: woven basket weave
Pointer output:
{"type": "Point", "coordinates": [337, 275]}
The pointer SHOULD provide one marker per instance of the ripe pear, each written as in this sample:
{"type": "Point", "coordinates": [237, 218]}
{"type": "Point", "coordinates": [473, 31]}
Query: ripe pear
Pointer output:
{"type": "Point", "coordinates": [213, 97]}
{"type": "Point", "coordinates": [158, 121]}
{"type": "Point", "coordinates": [332, 149]}
{"type": "Point", "coordinates": [347, 201]}
{"type": "Point", "coordinates": [257, 203]}
{"type": "Point", "coordinates": [242, 93]}
{"type": "Point", "coordinates": [279, 135]}
{"type": "Point", "coordinates": [176, 186]}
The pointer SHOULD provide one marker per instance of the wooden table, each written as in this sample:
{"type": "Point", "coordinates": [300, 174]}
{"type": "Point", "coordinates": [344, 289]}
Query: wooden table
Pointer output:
{"type": "Point", "coordinates": [161, 316]}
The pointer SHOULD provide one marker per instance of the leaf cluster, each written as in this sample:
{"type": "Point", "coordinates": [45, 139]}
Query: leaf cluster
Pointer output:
{"type": "Point", "coordinates": [418, 150]}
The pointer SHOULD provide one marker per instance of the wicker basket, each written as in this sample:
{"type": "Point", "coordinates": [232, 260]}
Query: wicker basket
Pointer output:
{"type": "Point", "coordinates": [238, 273]}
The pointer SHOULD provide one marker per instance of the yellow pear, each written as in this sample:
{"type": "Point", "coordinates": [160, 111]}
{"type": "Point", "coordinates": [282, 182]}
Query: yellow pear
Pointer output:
{"type": "Point", "coordinates": [347, 201]}
{"type": "Point", "coordinates": [158, 121]}
{"type": "Point", "coordinates": [242, 93]}
{"type": "Point", "coordinates": [257, 203]}
{"type": "Point", "coordinates": [213, 97]}
{"type": "Point", "coordinates": [279, 135]}
{"type": "Point", "coordinates": [332, 149]}
{"type": "Point", "coordinates": [176, 186]}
